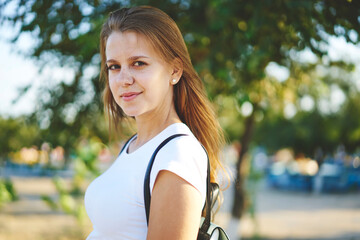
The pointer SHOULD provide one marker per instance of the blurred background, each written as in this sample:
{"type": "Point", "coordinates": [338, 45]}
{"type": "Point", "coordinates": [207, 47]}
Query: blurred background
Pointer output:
{"type": "Point", "coordinates": [284, 78]}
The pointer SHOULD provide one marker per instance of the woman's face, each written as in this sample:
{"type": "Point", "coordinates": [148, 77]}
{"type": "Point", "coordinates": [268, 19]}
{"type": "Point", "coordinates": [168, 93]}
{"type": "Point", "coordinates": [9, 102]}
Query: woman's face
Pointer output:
{"type": "Point", "coordinates": [139, 79]}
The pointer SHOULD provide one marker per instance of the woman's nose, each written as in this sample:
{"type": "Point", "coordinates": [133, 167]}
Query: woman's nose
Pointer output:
{"type": "Point", "coordinates": [125, 77]}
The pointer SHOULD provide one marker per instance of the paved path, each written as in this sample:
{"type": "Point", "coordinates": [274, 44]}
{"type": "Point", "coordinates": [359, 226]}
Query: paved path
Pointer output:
{"type": "Point", "coordinates": [291, 215]}
{"type": "Point", "coordinates": [280, 215]}
{"type": "Point", "coordinates": [30, 218]}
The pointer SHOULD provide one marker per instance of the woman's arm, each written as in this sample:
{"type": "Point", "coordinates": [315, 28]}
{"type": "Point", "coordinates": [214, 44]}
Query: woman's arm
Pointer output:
{"type": "Point", "coordinates": [175, 209]}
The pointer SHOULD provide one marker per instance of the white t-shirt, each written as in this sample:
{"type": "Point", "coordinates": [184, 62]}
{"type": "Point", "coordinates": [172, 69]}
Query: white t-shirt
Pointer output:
{"type": "Point", "coordinates": [115, 202]}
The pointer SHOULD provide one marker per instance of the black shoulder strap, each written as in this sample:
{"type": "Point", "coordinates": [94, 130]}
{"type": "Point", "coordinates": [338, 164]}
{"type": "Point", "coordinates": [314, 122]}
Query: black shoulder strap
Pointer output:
{"type": "Point", "coordinates": [123, 147]}
{"type": "Point", "coordinates": [206, 224]}
{"type": "Point", "coordinates": [147, 196]}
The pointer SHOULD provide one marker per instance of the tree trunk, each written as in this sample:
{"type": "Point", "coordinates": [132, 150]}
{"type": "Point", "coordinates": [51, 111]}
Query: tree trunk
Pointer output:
{"type": "Point", "coordinates": [239, 195]}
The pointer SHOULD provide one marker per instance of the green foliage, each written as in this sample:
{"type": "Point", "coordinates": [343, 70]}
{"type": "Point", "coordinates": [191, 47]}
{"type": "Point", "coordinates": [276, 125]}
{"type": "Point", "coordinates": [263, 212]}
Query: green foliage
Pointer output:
{"type": "Point", "coordinates": [231, 44]}
{"type": "Point", "coordinates": [50, 202]}
{"type": "Point", "coordinates": [10, 188]}
{"type": "Point", "coordinates": [298, 133]}
{"type": "Point", "coordinates": [314, 128]}
{"type": "Point", "coordinates": [7, 192]}
{"type": "Point", "coordinates": [350, 125]}
{"type": "Point", "coordinates": [16, 133]}
{"type": "Point", "coordinates": [71, 193]}
{"type": "Point", "coordinates": [4, 195]}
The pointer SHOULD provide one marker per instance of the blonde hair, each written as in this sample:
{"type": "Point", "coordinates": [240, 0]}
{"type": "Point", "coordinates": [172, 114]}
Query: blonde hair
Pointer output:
{"type": "Point", "coordinates": [191, 102]}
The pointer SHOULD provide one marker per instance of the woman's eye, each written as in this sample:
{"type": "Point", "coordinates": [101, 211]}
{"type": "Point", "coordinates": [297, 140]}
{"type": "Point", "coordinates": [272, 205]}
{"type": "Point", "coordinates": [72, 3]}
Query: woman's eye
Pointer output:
{"type": "Point", "coordinates": [139, 64]}
{"type": "Point", "coordinates": [113, 67]}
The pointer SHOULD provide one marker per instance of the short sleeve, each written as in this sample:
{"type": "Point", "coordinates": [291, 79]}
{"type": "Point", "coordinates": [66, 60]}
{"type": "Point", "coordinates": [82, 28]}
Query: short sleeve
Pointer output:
{"type": "Point", "coordinates": [185, 157]}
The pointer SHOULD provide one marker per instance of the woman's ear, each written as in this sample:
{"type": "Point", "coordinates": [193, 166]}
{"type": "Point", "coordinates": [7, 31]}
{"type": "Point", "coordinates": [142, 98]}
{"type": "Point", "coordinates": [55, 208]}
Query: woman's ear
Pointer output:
{"type": "Point", "coordinates": [177, 70]}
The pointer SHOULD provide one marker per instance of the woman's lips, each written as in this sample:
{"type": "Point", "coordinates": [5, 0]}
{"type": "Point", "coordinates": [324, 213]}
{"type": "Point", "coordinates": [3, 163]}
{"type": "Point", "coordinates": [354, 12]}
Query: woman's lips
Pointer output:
{"type": "Point", "coordinates": [129, 96]}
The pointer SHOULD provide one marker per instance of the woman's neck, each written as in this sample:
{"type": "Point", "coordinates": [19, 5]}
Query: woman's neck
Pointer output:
{"type": "Point", "coordinates": [147, 128]}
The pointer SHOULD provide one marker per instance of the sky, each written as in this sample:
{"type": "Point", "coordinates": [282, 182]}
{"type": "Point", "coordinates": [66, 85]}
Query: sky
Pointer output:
{"type": "Point", "coordinates": [17, 71]}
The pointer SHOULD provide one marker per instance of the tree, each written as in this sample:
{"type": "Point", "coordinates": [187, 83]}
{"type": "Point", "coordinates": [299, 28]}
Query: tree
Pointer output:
{"type": "Point", "coordinates": [313, 126]}
{"type": "Point", "coordinates": [231, 44]}
{"type": "Point", "coordinates": [245, 36]}
{"type": "Point", "coordinates": [15, 134]}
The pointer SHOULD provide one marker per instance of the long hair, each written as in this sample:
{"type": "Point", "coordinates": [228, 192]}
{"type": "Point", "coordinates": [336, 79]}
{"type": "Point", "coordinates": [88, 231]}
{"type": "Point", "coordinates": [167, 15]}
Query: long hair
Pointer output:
{"type": "Point", "coordinates": [191, 102]}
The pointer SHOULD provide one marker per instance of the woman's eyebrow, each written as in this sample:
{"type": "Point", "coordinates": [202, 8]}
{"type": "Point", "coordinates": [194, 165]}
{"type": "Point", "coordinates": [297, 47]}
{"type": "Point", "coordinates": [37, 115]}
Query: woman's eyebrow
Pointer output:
{"type": "Point", "coordinates": [111, 61]}
{"type": "Point", "coordinates": [132, 58]}
{"type": "Point", "coordinates": [136, 57]}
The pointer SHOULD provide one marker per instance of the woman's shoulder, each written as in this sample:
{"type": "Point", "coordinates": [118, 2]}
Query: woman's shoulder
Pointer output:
{"type": "Point", "coordinates": [185, 157]}
{"type": "Point", "coordinates": [185, 144]}
{"type": "Point", "coordinates": [184, 150]}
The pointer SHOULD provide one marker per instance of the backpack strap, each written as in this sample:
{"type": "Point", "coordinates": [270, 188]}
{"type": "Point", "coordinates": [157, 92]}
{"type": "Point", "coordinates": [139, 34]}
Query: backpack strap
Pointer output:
{"type": "Point", "coordinates": [126, 143]}
{"type": "Point", "coordinates": [212, 189]}
{"type": "Point", "coordinates": [147, 196]}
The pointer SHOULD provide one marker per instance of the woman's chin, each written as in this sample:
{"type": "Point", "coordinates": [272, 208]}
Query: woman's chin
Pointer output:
{"type": "Point", "coordinates": [130, 113]}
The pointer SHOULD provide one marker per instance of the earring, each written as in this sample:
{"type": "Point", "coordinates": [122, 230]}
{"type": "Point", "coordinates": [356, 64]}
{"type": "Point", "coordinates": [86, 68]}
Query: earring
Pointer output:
{"type": "Point", "coordinates": [173, 80]}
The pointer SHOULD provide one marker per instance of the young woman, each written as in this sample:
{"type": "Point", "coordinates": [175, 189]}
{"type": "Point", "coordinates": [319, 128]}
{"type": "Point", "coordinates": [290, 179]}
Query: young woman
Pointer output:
{"type": "Point", "coordinates": [148, 76]}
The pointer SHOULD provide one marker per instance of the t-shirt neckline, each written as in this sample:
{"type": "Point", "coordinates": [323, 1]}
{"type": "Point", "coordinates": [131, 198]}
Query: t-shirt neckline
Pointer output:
{"type": "Point", "coordinates": [168, 128]}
